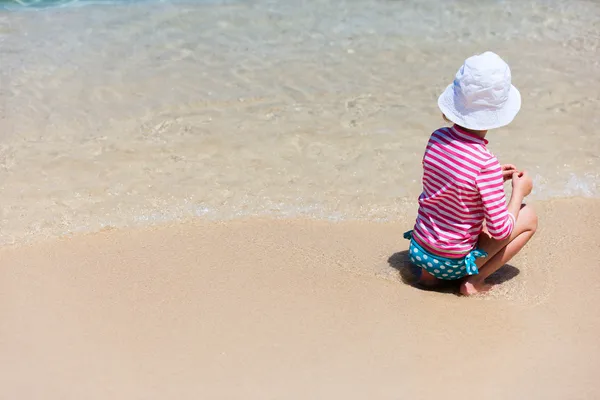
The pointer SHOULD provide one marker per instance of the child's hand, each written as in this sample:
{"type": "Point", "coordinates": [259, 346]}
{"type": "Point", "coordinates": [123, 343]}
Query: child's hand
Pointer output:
{"type": "Point", "coordinates": [507, 171]}
{"type": "Point", "coordinates": [522, 183]}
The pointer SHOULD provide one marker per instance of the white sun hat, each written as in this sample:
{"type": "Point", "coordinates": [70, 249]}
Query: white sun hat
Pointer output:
{"type": "Point", "coordinates": [481, 96]}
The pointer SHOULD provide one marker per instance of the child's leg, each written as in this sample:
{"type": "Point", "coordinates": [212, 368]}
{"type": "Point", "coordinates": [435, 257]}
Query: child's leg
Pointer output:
{"type": "Point", "coordinates": [426, 279]}
{"type": "Point", "coordinates": [500, 251]}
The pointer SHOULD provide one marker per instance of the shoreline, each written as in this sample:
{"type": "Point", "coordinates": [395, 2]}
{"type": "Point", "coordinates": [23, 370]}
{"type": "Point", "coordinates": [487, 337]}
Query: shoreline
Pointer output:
{"type": "Point", "coordinates": [408, 212]}
{"type": "Point", "coordinates": [179, 222]}
{"type": "Point", "coordinates": [293, 308]}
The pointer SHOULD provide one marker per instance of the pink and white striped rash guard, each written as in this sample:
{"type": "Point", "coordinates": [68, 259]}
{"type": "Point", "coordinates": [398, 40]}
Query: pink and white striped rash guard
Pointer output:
{"type": "Point", "coordinates": [462, 187]}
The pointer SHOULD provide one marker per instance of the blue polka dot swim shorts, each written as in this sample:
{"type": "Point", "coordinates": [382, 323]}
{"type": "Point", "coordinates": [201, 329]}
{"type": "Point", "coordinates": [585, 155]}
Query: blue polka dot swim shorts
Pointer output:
{"type": "Point", "coordinates": [442, 267]}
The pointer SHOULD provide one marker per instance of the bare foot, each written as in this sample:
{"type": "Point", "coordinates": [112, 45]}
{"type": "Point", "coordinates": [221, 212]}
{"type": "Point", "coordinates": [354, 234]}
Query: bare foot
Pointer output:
{"type": "Point", "coordinates": [470, 288]}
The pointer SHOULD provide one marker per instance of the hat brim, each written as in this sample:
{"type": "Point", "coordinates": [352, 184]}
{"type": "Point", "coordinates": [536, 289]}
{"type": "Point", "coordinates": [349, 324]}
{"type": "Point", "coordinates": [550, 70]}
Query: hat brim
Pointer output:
{"type": "Point", "coordinates": [480, 120]}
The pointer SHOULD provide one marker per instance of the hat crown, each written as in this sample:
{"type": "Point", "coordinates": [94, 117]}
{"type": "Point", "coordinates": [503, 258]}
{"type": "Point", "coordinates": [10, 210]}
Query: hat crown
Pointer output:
{"type": "Point", "coordinates": [483, 82]}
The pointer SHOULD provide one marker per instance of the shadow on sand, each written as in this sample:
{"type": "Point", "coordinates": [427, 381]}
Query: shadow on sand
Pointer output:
{"type": "Point", "coordinates": [409, 274]}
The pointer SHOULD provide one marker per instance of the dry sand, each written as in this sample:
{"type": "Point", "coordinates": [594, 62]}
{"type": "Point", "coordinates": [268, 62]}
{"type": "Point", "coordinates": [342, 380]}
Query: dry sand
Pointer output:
{"type": "Point", "coordinates": [301, 309]}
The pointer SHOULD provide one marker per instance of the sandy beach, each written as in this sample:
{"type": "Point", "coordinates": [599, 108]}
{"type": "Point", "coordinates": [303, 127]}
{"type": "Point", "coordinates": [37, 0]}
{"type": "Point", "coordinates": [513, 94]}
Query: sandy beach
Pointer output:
{"type": "Point", "coordinates": [206, 200]}
{"type": "Point", "coordinates": [261, 309]}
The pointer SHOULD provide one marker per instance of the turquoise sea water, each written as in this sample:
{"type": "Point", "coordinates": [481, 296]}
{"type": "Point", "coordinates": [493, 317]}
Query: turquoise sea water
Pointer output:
{"type": "Point", "coordinates": [20, 5]}
{"type": "Point", "coordinates": [39, 4]}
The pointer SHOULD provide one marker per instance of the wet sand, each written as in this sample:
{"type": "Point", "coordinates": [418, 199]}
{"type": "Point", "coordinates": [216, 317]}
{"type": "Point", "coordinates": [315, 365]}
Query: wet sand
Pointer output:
{"type": "Point", "coordinates": [262, 308]}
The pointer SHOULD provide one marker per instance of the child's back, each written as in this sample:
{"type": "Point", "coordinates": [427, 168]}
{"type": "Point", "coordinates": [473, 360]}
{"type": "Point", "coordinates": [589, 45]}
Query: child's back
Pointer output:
{"type": "Point", "coordinates": [462, 186]}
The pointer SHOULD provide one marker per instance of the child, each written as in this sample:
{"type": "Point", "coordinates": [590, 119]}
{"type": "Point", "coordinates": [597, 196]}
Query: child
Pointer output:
{"type": "Point", "coordinates": [464, 229]}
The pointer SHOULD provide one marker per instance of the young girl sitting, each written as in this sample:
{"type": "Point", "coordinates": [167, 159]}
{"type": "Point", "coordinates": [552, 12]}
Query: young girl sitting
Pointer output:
{"type": "Point", "coordinates": [464, 229]}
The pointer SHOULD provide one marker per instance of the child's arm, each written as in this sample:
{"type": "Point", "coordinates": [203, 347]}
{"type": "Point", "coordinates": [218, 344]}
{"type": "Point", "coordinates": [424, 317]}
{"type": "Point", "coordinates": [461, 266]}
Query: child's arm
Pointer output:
{"type": "Point", "coordinates": [490, 183]}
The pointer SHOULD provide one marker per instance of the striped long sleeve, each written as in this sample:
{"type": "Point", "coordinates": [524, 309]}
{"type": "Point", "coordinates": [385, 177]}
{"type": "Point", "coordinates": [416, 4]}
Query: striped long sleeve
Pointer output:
{"type": "Point", "coordinates": [490, 184]}
{"type": "Point", "coordinates": [462, 188]}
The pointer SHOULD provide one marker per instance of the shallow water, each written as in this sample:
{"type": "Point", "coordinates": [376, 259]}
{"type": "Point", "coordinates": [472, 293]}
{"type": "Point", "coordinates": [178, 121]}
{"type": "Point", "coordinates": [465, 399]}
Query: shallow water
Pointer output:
{"type": "Point", "coordinates": [134, 113]}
